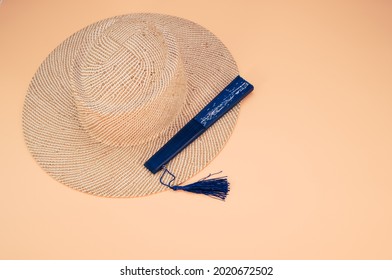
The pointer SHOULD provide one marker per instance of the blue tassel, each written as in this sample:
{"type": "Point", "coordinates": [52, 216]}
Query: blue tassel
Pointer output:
{"type": "Point", "coordinates": [216, 187]}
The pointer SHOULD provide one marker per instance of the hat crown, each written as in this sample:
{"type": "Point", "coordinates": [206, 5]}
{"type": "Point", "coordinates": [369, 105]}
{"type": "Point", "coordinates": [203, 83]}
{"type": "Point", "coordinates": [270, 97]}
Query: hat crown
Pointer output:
{"type": "Point", "coordinates": [128, 82]}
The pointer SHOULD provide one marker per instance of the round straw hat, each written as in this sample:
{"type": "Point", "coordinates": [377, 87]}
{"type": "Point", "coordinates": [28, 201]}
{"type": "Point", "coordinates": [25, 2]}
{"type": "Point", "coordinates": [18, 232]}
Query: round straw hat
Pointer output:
{"type": "Point", "coordinates": [109, 96]}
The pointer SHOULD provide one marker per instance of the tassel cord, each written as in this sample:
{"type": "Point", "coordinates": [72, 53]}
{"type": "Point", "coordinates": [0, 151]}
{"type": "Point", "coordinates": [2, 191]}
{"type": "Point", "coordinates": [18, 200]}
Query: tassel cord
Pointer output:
{"type": "Point", "coordinates": [170, 183]}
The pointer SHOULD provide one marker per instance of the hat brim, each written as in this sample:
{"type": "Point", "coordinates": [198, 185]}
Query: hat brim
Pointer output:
{"type": "Point", "coordinates": [65, 150]}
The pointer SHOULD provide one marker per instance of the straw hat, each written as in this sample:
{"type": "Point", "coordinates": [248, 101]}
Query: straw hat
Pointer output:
{"type": "Point", "coordinates": [113, 93]}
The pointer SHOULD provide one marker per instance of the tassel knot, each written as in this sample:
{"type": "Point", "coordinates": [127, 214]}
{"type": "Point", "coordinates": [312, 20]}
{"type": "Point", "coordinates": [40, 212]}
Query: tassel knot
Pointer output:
{"type": "Point", "coordinates": [215, 187]}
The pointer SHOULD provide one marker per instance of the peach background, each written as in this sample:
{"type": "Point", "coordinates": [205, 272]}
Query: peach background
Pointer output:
{"type": "Point", "coordinates": [309, 162]}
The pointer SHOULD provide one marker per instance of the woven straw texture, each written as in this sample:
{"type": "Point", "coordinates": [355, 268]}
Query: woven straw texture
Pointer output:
{"type": "Point", "coordinates": [109, 96]}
